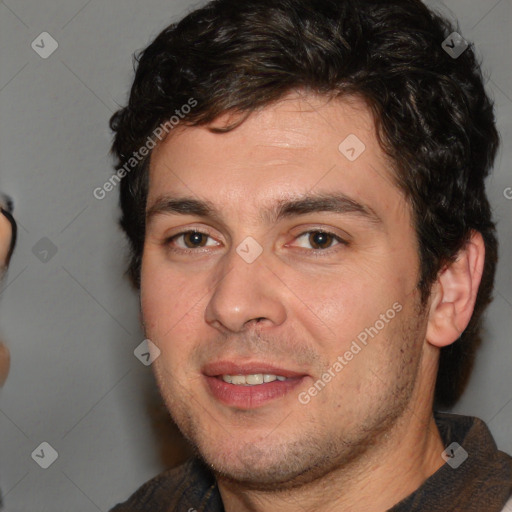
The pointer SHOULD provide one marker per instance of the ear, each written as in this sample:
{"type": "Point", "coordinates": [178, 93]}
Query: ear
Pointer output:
{"type": "Point", "coordinates": [454, 292]}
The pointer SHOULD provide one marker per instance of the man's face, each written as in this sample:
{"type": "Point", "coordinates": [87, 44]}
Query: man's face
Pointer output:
{"type": "Point", "coordinates": [216, 307]}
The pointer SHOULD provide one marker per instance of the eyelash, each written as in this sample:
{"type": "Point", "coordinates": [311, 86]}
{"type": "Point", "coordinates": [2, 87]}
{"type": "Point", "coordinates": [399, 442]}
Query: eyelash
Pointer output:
{"type": "Point", "coordinates": [315, 252]}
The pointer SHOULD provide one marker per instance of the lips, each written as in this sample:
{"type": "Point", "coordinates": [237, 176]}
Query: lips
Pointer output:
{"type": "Point", "coordinates": [248, 397]}
{"type": "Point", "coordinates": [233, 368]}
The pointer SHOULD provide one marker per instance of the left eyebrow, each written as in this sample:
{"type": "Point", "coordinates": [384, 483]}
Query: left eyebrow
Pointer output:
{"type": "Point", "coordinates": [313, 203]}
{"type": "Point", "coordinates": [335, 203]}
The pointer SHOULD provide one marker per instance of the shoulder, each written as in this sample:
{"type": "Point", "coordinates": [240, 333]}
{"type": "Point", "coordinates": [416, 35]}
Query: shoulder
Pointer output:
{"type": "Point", "coordinates": [186, 486]}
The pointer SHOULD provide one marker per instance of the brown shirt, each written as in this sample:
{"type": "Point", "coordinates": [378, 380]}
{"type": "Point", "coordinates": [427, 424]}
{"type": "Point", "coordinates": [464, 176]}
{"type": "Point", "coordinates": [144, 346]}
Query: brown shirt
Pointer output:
{"type": "Point", "coordinates": [482, 482]}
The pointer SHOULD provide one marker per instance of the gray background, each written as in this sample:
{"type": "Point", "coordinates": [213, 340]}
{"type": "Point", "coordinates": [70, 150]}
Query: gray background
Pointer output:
{"type": "Point", "coordinates": [70, 318]}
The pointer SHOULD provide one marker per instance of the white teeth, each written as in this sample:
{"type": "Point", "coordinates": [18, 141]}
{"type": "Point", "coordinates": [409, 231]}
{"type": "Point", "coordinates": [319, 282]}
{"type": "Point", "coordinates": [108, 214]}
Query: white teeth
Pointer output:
{"type": "Point", "coordinates": [254, 379]}
{"type": "Point", "coordinates": [238, 379]}
{"type": "Point", "coordinates": [251, 380]}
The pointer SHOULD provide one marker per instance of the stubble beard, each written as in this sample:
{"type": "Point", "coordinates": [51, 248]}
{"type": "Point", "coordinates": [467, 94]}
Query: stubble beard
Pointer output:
{"type": "Point", "coordinates": [271, 464]}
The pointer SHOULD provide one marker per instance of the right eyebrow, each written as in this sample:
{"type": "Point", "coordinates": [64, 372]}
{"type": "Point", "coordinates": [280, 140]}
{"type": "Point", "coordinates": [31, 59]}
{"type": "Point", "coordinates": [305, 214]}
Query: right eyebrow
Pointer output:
{"type": "Point", "coordinates": [182, 206]}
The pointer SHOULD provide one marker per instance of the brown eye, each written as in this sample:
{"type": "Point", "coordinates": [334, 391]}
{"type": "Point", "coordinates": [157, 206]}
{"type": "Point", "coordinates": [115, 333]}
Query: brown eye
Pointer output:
{"type": "Point", "coordinates": [190, 240]}
{"type": "Point", "coordinates": [193, 239]}
{"type": "Point", "coordinates": [320, 239]}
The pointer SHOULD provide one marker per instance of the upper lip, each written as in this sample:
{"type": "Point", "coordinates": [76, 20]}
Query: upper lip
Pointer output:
{"type": "Point", "coordinates": [247, 368]}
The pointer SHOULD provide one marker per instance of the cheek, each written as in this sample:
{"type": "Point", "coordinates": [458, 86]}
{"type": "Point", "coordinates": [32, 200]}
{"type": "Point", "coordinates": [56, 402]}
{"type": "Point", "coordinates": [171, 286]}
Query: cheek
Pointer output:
{"type": "Point", "coordinates": [162, 298]}
{"type": "Point", "coordinates": [172, 306]}
{"type": "Point", "coordinates": [348, 294]}
{"type": "Point", "coordinates": [359, 315]}
{"type": "Point", "coordinates": [154, 301]}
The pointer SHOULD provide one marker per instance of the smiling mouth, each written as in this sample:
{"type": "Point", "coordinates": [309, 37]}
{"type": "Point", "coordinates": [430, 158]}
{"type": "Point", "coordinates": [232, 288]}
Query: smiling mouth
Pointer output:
{"type": "Point", "coordinates": [249, 385]}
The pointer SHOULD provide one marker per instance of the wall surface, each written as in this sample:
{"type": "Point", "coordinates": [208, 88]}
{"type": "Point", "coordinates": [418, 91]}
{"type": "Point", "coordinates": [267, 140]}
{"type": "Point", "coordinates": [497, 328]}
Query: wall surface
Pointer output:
{"type": "Point", "coordinates": [66, 311]}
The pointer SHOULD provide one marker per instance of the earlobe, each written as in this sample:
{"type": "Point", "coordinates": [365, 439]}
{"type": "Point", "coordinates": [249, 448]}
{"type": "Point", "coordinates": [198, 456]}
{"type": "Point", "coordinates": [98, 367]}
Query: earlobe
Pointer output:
{"type": "Point", "coordinates": [454, 293]}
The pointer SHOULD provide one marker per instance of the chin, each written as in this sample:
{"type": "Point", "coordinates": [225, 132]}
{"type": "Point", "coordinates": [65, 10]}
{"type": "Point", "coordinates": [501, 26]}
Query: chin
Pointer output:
{"type": "Point", "coordinates": [264, 475]}
{"type": "Point", "coordinates": [262, 466]}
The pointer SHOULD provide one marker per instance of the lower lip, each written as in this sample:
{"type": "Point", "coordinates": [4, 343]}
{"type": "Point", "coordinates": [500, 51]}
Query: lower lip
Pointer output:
{"type": "Point", "coordinates": [249, 397]}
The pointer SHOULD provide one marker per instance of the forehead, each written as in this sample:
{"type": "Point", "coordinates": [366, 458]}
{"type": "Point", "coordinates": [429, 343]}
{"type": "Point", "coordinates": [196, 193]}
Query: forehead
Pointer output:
{"type": "Point", "coordinates": [302, 144]}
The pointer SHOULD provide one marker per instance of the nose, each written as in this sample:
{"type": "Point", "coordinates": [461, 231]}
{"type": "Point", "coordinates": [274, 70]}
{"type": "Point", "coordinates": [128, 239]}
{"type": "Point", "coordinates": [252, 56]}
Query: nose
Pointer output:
{"type": "Point", "coordinates": [246, 293]}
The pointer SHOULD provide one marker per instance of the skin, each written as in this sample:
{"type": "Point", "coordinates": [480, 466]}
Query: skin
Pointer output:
{"type": "Point", "coordinates": [368, 439]}
{"type": "Point", "coordinates": [5, 242]}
